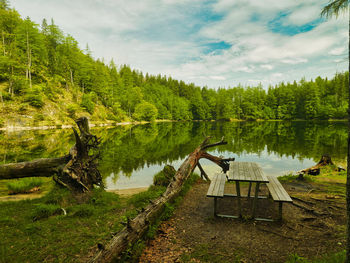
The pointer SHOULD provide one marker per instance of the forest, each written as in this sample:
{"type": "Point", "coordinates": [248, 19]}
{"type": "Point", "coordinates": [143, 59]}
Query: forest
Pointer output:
{"type": "Point", "coordinates": [44, 74]}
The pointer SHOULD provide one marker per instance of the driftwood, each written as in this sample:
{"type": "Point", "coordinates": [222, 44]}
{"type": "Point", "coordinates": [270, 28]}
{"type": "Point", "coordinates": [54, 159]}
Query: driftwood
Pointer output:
{"type": "Point", "coordinates": [315, 170]}
{"type": "Point", "coordinates": [223, 163]}
{"type": "Point", "coordinates": [136, 227]}
{"type": "Point", "coordinates": [76, 171]}
{"type": "Point", "coordinates": [80, 173]}
{"type": "Point", "coordinates": [38, 168]}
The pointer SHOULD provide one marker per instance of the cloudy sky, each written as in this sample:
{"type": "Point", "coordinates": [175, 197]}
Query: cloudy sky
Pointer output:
{"type": "Point", "coordinates": [214, 43]}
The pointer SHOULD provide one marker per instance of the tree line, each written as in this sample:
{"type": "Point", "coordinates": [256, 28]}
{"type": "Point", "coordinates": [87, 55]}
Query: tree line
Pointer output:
{"type": "Point", "coordinates": [40, 62]}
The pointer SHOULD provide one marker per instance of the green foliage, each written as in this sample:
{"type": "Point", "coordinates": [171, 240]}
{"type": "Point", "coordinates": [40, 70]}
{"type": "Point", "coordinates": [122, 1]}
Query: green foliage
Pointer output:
{"type": "Point", "coordinates": [143, 198]}
{"type": "Point", "coordinates": [57, 62]}
{"type": "Point", "coordinates": [72, 109]}
{"type": "Point", "coordinates": [87, 103]}
{"type": "Point", "coordinates": [84, 210]}
{"type": "Point", "coordinates": [145, 111]}
{"type": "Point", "coordinates": [2, 122]}
{"type": "Point", "coordinates": [163, 177]}
{"type": "Point", "coordinates": [23, 185]}
{"type": "Point", "coordinates": [332, 258]}
{"type": "Point", "coordinates": [42, 211]}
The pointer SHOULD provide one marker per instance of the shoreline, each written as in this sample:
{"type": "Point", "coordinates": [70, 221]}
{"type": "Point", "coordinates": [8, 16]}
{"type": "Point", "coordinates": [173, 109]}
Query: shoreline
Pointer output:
{"type": "Point", "coordinates": [68, 126]}
{"type": "Point", "coordinates": [115, 124]}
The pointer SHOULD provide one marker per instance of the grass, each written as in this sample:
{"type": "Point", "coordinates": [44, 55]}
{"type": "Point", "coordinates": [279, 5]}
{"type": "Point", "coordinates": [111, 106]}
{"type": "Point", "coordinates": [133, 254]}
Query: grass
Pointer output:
{"type": "Point", "coordinates": [338, 257]}
{"type": "Point", "coordinates": [23, 185]}
{"type": "Point", "coordinates": [61, 227]}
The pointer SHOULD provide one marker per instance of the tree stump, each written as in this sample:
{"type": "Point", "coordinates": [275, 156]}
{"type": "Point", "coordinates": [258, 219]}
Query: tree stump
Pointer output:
{"type": "Point", "coordinates": [80, 174]}
{"type": "Point", "coordinates": [315, 170]}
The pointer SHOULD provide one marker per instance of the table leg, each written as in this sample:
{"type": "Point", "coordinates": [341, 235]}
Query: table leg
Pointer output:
{"type": "Point", "coordinates": [249, 189]}
{"type": "Point", "coordinates": [215, 206]}
{"type": "Point", "coordinates": [238, 190]}
{"type": "Point", "coordinates": [255, 198]}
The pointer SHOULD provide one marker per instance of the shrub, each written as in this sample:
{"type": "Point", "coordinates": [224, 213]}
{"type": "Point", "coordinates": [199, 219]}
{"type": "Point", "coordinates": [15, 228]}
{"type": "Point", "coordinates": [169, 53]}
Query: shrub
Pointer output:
{"type": "Point", "coordinates": [23, 185]}
{"type": "Point", "coordinates": [82, 211]}
{"type": "Point", "coordinates": [163, 177]}
{"type": "Point", "coordinates": [39, 117]}
{"type": "Point", "coordinates": [45, 211]}
{"type": "Point", "coordinates": [34, 99]}
{"type": "Point", "coordinates": [23, 107]}
{"type": "Point", "coordinates": [2, 122]}
{"type": "Point", "coordinates": [87, 103]}
{"type": "Point", "coordinates": [145, 111]}
{"type": "Point", "coordinates": [72, 109]}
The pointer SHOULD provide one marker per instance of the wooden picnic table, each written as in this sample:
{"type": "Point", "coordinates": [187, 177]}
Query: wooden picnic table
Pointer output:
{"type": "Point", "coordinates": [252, 173]}
{"type": "Point", "coordinates": [246, 172]}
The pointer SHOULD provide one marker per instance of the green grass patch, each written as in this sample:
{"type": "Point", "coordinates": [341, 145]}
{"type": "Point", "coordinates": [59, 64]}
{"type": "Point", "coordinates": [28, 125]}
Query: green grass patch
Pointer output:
{"type": "Point", "coordinates": [23, 185]}
{"type": "Point", "coordinates": [289, 178]}
{"type": "Point", "coordinates": [338, 257]}
{"type": "Point", "coordinates": [143, 198]}
{"type": "Point", "coordinates": [37, 229]}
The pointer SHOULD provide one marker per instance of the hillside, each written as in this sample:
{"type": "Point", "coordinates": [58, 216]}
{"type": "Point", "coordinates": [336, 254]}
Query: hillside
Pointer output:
{"type": "Point", "coordinates": [46, 79]}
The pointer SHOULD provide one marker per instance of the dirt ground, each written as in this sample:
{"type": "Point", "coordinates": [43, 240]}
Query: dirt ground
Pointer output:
{"type": "Point", "coordinates": [312, 226]}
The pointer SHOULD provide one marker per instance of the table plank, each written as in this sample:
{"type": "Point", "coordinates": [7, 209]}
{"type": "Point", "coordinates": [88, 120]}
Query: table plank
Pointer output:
{"type": "Point", "coordinates": [246, 171]}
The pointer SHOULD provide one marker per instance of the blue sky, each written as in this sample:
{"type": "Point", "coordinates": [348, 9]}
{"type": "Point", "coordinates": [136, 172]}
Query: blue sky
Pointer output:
{"type": "Point", "coordinates": [217, 43]}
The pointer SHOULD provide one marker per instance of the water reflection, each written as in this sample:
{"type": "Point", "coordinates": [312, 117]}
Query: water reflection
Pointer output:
{"type": "Point", "coordinates": [131, 155]}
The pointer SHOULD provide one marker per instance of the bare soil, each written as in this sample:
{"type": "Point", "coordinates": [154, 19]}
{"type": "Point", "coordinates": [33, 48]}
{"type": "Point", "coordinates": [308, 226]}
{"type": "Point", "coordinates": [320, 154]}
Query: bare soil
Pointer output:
{"type": "Point", "coordinates": [312, 226]}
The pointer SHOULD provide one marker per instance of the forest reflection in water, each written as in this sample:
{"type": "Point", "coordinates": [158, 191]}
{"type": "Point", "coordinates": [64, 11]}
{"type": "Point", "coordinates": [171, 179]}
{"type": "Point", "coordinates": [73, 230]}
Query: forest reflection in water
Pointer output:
{"type": "Point", "coordinates": [131, 155]}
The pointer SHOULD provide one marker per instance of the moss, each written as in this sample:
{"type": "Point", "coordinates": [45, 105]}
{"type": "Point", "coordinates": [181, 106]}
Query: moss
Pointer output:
{"type": "Point", "coordinates": [23, 185]}
{"type": "Point", "coordinates": [164, 177]}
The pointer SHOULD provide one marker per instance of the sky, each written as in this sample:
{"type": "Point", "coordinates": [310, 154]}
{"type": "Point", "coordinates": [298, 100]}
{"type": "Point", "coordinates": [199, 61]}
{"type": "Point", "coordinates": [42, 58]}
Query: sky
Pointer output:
{"type": "Point", "coordinates": [214, 43]}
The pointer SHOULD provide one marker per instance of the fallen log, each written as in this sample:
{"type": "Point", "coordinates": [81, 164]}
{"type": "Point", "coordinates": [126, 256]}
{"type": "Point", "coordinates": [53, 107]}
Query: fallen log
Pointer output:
{"type": "Point", "coordinates": [137, 227]}
{"type": "Point", "coordinates": [77, 170]}
{"type": "Point", "coordinates": [315, 170]}
{"type": "Point", "coordinates": [44, 167]}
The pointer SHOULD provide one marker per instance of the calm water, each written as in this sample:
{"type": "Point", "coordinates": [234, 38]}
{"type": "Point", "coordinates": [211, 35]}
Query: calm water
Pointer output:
{"type": "Point", "coordinates": [131, 155]}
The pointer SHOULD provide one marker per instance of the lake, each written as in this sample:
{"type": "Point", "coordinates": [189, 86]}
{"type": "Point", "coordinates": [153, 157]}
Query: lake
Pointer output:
{"type": "Point", "coordinates": [131, 155]}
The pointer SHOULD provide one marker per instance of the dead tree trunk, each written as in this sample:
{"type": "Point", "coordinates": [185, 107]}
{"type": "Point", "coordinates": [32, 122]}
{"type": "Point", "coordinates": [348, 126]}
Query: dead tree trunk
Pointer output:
{"type": "Point", "coordinates": [80, 174]}
{"type": "Point", "coordinates": [315, 170]}
{"type": "Point", "coordinates": [41, 167]}
{"type": "Point", "coordinates": [76, 171]}
{"type": "Point", "coordinates": [136, 227]}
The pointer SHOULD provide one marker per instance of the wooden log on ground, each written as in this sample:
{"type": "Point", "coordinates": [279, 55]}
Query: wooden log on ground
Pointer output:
{"type": "Point", "coordinates": [137, 227]}
{"type": "Point", "coordinates": [44, 167]}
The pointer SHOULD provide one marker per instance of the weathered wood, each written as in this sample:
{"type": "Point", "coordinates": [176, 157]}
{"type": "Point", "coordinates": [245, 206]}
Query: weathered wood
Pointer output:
{"type": "Point", "coordinates": [278, 193]}
{"type": "Point", "coordinates": [80, 174]}
{"type": "Point", "coordinates": [38, 168]}
{"type": "Point", "coordinates": [76, 171]}
{"type": "Point", "coordinates": [217, 186]}
{"type": "Point", "coordinates": [277, 190]}
{"type": "Point", "coordinates": [246, 171]}
{"type": "Point", "coordinates": [139, 225]}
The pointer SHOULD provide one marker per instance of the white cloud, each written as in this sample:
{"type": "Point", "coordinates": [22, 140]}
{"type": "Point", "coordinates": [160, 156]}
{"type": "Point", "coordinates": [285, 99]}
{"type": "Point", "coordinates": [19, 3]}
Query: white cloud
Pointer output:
{"type": "Point", "coordinates": [167, 37]}
{"type": "Point", "coordinates": [337, 51]}
{"type": "Point", "coordinates": [217, 77]}
{"type": "Point", "coordinates": [266, 66]}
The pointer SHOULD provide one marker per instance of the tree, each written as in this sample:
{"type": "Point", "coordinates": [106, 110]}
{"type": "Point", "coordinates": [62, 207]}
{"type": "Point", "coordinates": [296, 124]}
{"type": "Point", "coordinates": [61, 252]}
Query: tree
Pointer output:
{"type": "Point", "coordinates": [335, 7]}
{"type": "Point", "coordinates": [145, 111]}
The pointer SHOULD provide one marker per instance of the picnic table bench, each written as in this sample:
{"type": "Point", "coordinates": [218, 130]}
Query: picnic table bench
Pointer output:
{"type": "Point", "coordinates": [216, 188]}
{"type": "Point", "coordinates": [278, 193]}
{"type": "Point", "coordinates": [252, 173]}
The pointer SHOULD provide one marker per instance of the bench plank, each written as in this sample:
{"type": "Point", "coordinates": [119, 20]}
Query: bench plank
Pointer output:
{"type": "Point", "coordinates": [277, 190]}
{"type": "Point", "coordinates": [217, 186]}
